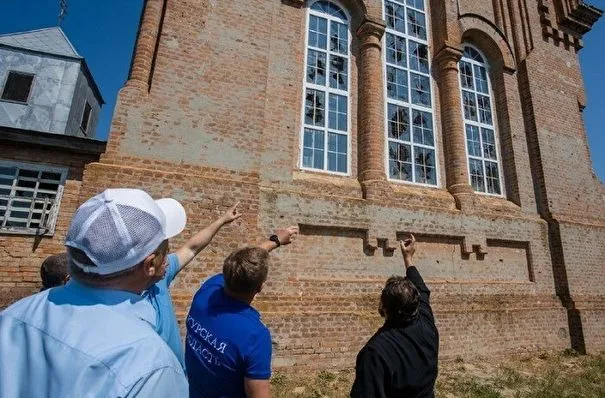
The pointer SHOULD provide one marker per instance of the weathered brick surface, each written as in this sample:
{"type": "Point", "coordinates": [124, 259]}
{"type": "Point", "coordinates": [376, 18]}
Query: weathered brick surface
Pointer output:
{"type": "Point", "coordinates": [214, 116]}
{"type": "Point", "coordinates": [22, 255]}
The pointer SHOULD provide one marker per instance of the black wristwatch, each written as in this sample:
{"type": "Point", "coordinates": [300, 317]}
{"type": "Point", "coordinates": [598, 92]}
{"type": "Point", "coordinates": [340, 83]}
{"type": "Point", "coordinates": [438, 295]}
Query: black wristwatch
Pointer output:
{"type": "Point", "coordinates": [274, 238]}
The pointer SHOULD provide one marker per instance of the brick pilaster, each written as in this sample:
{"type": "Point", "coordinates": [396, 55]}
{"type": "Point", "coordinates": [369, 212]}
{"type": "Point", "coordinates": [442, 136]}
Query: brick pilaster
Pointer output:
{"type": "Point", "coordinates": [142, 62]}
{"type": "Point", "coordinates": [371, 109]}
{"type": "Point", "coordinates": [452, 122]}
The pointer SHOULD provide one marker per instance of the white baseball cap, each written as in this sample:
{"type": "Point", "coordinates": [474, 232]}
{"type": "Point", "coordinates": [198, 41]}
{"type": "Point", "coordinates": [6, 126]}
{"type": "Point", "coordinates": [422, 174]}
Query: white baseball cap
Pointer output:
{"type": "Point", "coordinates": [118, 228]}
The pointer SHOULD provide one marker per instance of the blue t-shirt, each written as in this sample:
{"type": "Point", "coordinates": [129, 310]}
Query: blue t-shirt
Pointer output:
{"type": "Point", "coordinates": [226, 342]}
{"type": "Point", "coordinates": [165, 317]}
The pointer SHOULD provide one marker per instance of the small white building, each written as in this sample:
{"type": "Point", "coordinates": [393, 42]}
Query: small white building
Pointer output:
{"type": "Point", "coordinates": [45, 85]}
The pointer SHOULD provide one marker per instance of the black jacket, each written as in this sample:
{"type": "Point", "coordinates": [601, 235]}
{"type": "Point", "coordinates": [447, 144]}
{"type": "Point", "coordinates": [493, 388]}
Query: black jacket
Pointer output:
{"type": "Point", "coordinates": [400, 360]}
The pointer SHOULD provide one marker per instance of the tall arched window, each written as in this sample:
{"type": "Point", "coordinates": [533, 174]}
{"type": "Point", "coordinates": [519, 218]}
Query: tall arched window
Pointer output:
{"type": "Point", "coordinates": [325, 132]}
{"type": "Point", "coordinates": [481, 136]}
{"type": "Point", "coordinates": [409, 130]}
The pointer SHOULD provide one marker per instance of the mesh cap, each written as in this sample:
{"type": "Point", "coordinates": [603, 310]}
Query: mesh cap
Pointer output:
{"type": "Point", "coordinates": [118, 228]}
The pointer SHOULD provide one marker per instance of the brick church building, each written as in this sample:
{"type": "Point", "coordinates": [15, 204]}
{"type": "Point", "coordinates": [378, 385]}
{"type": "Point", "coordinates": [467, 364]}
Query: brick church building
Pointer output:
{"type": "Point", "coordinates": [360, 121]}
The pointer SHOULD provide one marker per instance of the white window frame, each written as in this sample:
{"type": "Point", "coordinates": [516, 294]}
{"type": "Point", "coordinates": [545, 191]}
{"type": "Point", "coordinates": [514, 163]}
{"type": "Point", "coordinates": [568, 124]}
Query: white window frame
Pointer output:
{"type": "Point", "coordinates": [51, 218]}
{"type": "Point", "coordinates": [480, 125]}
{"type": "Point", "coordinates": [411, 107]}
{"type": "Point", "coordinates": [327, 90]}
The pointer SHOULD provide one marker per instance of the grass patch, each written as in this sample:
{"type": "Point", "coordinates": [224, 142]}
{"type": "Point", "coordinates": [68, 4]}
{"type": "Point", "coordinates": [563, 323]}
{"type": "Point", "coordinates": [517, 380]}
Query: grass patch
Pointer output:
{"type": "Point", "coordinates": [544, 375]}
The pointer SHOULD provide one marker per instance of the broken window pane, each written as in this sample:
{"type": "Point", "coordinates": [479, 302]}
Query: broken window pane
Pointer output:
{"type": "Point", "coordinates": [421, 91]}
{"type": "Point", "coordinates": [399, 122]}
{"type": "Point", "coordinates": [325, 137]}
{"type": "Point", "coordinates": [485, 111]}
{"type": "Point", "coordinates": [473, 142]}
{"type": "Point", "coordinates": [339, 37]}
{"type": "Point", "coordinates": [419, 57]}
{"type": "Point", "coordinates": [476, 172]}
{"type": "Point", "coordinates": [481, 79]}
{"type": "Point", "coordinates": [316, 67]}
{"type": "Point", "coordinates": [395, 16]}
{"type": "Point", "coordinates": [416, 24]}
{"type": "Point", "coordinates": [489, 144]}
{"type": "Point", "coordinates": [315, 108]}
{"type": "Point", "coordinates": [418, 4]}
{"type": "Point", "coordinates": [470, 106]}
{"type": "Point", "coordinates": [396, 51]}
{"type": "Point", "coordinates": [425, 166]}
{"type": "Point", "coordinates": [422, 123]}
{"type": "Point", "coordinates": [397, 83]}
{"type": "Point", "coordinates": [338, 72]}
{"type": "Point", "coordinates": [466, 75]}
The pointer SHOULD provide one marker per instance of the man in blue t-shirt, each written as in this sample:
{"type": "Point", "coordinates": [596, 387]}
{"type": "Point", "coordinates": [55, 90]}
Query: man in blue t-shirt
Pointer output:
{"type": "Point", "coordinates": [228, 350]}
{"type": "Point", "coordinates": [159, 294]}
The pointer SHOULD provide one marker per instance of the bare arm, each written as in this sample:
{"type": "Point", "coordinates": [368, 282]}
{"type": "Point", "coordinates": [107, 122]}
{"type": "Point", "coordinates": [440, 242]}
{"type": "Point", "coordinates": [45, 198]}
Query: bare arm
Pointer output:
{"type": "Point", "coordinates": [285, 237]}
{"type": "Point", "coordinates": [257, 388]}
{"type": "Point", "coordinates": [199, 241]}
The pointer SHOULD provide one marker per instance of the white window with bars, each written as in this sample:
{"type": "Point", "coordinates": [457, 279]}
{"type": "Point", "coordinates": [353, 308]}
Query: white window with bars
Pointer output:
{"type": "Point", "coordinates": [30, 195]}
{"type": "Point", "coordinates": [479, 124]}
{"type": "Point", "coordinates": [411, 148]}
{"type": "Point", "coordinates": [325, 135]}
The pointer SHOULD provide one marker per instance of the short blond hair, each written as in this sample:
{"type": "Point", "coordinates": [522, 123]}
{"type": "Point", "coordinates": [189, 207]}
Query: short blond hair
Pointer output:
{"type": "Point", "coordinates": [245, 270]}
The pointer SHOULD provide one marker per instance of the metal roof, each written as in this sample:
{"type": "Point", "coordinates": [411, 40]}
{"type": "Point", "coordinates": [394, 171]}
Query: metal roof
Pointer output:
{"type": "Point", "coordinates": [48, 40]}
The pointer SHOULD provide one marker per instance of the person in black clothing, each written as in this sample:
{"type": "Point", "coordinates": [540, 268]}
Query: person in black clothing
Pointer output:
{"type": "Point", "coordinates": [400, 360]}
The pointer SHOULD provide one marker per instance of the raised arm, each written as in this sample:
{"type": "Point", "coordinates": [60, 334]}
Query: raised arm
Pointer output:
{"type": "Point", "coordinates": [284, 237]}
{"type": "Point", "coordinates": [199, 241]}
{"type": "Point", "coordinates": [408, 248]}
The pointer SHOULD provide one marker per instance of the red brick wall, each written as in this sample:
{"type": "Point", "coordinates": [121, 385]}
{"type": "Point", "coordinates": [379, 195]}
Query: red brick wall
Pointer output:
{"type": "Point", "coordinates": [22, 255]}
{"type": "Point", "coordinates": [225, 103]}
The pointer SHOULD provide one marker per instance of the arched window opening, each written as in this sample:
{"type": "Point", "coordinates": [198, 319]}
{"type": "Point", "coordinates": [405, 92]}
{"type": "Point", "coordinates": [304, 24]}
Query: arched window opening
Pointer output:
{"type": "Point", "coordinates": [326, 126]}
{"type": "Point", "coordinates": [481, 135]}
{"type": "Point", "coordinates": [409, 110]}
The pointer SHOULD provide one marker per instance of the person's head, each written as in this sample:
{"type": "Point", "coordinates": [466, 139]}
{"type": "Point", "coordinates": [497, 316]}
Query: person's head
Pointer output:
{"type": "Point", "coordinates": [54, 271]}
{"type": "Point", "coordinates": [399, 300]}
{"type": "Point", "coordinates": [119, 239]}
{"type": "Point", "coordinates": [245, 271]}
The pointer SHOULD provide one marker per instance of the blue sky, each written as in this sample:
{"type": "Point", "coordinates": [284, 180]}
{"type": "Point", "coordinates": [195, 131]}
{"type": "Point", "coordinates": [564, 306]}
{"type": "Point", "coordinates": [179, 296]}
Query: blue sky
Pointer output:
{"type": "Point", "coordinates": [104, 31]}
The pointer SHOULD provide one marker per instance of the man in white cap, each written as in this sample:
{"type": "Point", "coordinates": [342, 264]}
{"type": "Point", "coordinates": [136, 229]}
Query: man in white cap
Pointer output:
{"type": "Point", "coordinates": [95, 336]}
{"type": "Point", "coordinates": [159, 294]}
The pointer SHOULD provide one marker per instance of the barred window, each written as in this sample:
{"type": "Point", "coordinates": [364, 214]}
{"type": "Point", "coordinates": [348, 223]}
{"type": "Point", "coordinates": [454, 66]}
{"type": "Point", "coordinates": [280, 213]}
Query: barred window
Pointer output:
{"type": "Point", "coordinates": [29, 197]}
{"type": "Point", "coordinates": [410, 136]}
{"type": "Point", "coordinates": [325, 130]}
{"type": "Point", "coordinates": [481, 135]}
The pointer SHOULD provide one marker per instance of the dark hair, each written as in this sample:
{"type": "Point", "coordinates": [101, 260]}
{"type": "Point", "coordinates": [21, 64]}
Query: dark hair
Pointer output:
{"type": "Point", "coordinates": [54, 270]}
{"type": "Point", "coordinates": [399, 300]}
{"type": "Point", "coordinates": [245, 270]}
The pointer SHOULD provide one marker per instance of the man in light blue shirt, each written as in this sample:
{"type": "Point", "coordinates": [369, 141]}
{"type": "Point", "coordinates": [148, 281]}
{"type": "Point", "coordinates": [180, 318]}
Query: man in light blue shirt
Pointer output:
{"type": "Point", "coordinates": [95, 337]}
{"type": "Point", "coordinates": [159, 294]}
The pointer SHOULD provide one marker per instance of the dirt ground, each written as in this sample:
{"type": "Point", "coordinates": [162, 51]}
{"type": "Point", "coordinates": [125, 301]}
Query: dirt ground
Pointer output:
{"type": "Point", "coordinates": [541, 375]}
